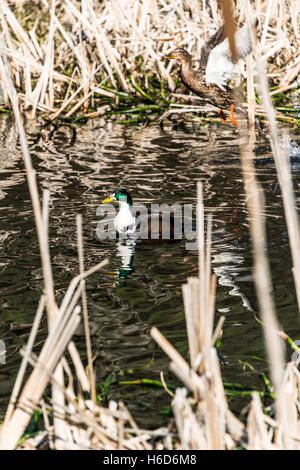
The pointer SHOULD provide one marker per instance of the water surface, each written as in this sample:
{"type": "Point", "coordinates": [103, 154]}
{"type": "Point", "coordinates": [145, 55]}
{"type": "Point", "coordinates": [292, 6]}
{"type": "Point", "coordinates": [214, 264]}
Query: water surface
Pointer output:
{"type": "Point", "coordinates": [81, 165]}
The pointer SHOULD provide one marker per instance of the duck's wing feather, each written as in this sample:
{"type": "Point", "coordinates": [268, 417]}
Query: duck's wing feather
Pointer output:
{"type": "Point", "coordinates": [210, 44]}
{"type": "Point", "coordinates": [220, 68]}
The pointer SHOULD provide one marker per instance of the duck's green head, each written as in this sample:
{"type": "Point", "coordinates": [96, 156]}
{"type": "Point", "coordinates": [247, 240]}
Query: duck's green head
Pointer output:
{"type": "Point", "coordinates": [120, 195]}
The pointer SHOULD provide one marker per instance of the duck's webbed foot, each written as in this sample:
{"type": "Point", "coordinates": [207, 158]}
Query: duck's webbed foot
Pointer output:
{"type": "Point", "coordinates": [232, 118]}
{"type": "Point", "coordinates": [222, 116]}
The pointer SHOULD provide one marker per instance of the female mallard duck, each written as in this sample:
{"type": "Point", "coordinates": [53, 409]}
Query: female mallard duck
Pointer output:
{"type": "Point", "coordinates": [210, 82]}
{"type": "Point", "coordinates": [128, 225]}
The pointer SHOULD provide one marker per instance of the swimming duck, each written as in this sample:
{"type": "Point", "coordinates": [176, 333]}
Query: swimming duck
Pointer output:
{"type": "Point", "coordinates": [210, 81]}
{"type": "Point", "coordinates": [125, 221]}
{"type": "Point", "coordinates": [145, 226]}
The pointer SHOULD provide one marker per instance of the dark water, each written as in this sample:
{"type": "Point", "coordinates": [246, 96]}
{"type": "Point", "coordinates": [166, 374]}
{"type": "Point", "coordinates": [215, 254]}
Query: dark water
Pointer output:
{"type": "Point", "coordinates": [81, 166]}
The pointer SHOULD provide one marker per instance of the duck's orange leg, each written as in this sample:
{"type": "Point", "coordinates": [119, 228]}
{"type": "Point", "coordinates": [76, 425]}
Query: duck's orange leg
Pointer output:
{"type": "Point", "coordinates": [222, 116]}
{"type": "Point", "coordinates": [232, 118]}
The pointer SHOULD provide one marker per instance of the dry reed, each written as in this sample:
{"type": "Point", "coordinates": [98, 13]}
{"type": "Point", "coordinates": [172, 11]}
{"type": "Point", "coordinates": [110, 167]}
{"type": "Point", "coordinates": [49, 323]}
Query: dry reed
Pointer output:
{"type": "Point", "coordinates": [203, 417]}
{"type": "Point", "coordinates": [81, 56]}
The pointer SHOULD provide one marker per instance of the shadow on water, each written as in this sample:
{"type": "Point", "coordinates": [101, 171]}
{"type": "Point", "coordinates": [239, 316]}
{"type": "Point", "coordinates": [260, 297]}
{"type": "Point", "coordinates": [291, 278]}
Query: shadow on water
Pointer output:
{"type": "Point", "coordinates": [141, 286]}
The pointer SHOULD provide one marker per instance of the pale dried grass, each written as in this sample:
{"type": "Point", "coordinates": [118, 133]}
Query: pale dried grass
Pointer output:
{"type": "Point", "coordinates": [84, 44]}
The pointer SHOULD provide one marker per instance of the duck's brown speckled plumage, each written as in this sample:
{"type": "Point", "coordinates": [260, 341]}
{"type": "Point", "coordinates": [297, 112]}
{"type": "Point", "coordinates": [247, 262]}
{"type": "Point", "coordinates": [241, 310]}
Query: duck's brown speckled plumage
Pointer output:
{"type": "Point", "coordinates": [195, 82]}
{"type": "Point", "coordinates": [213, 89]}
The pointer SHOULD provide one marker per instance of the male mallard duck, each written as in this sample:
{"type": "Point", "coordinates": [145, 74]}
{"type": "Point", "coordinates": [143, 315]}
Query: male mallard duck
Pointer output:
{"type": "Point", "coordinates": [128, 225]}
{"type": "Point", "coordinates": [210, 81]}
{"type": "Point", "coordinates": [125, 221]}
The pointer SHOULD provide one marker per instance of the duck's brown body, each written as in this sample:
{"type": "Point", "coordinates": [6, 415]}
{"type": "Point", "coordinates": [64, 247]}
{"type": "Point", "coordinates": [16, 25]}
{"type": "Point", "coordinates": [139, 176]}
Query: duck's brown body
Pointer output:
{"type": "Point", "coordinates": [155, 232]}
{"type": "Point", "coordinates": [195, 82]}
{"type": "Point", "coordinates": [216, 68]}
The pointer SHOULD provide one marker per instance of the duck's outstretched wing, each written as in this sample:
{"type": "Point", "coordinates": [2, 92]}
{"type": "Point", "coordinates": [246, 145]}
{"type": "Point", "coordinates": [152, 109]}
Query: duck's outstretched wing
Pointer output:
{"type": "Point", "coordinates": [220, 68]}
{"type": "Point", "coordinates": [210, 44]}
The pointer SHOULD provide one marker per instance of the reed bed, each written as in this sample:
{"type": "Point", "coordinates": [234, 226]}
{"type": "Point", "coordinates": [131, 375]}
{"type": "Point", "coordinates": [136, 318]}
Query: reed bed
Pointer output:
{"type": "Point", "coordinates": [203, 417]}
{"type": "Point", "coordinates": [76, 59]}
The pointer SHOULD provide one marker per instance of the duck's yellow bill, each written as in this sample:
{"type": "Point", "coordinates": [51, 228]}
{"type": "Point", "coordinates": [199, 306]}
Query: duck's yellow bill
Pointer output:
{"type": "Point", "coordinates": [107, 200]}
{"type": "Point", "coordinates": [172, 56]}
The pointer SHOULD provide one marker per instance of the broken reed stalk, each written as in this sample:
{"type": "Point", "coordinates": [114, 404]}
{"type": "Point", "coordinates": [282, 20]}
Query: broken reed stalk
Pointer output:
{"type": "Point", "coordinates": [84, 307]}
{"type": "Point", "coordinates": [255, 206]}
{"type": "Point", "coordinates": [41, 218]}
{"type": "Point", "coordinates": [281, 159]}
{"type": "Point", "coordinates": [18, 419]}
{"type": "Point", "coordinates": [262, 277]}
{"type": "Point", "coordinates": [23, 366]}
{"type": "Point", "coordinates": [54, 347]}
{"type": "Point", "coordinates": [58, 397]}
{"type": "Point", "coordinates": [75, 407]}
{"type": "Point", "coordinates": [207, 428]}
{"type": "Point", "coordinates": [34, 387]}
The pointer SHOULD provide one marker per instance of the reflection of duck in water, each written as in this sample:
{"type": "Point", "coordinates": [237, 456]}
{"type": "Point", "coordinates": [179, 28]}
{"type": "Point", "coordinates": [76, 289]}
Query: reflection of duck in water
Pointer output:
{"type": "Point", "coordinates": [125, 250]}
{"type": "Point", "coordinates": [148, 228]}
{"type": "Point", "coordinates": [210, 82]}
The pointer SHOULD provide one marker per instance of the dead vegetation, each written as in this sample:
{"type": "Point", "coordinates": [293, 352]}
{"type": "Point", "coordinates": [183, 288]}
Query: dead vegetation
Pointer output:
{"type": "Point", "coordinates": [71, 58]}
